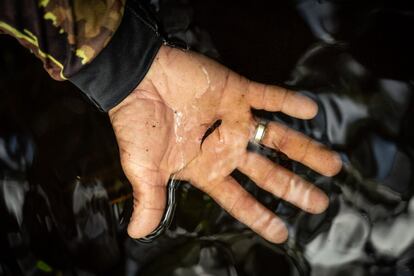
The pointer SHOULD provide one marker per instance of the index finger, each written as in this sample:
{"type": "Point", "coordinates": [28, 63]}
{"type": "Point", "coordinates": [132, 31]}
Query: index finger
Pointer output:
{"type": "Point", "coordinates": [274, 98]}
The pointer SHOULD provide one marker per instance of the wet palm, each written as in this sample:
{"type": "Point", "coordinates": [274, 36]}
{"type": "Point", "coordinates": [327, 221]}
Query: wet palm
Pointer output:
{"type": "Point", "coordinates": [164, 130]}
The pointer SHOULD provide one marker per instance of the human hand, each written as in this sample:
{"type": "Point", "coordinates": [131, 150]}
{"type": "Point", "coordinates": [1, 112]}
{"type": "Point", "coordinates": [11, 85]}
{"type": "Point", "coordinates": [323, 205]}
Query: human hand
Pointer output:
{"type": "Point", "coordinates": [160, 128]}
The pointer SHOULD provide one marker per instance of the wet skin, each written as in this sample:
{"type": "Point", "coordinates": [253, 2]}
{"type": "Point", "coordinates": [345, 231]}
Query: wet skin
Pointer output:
{"type": "Point", "coordinates": [160, 129]}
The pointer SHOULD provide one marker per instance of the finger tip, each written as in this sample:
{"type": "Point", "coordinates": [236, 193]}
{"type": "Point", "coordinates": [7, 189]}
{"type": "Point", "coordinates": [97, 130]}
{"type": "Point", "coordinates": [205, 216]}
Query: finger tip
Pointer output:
{"type": "Point", "coordinates": [300, 106]}
{"type": "Point", "coordinates": [280, 238]}
{"type": "Point", "coordinates": [137, 231]}
{"type": "Point", "coordinates": [334, 165]}
{"type": "Point", "coordinates": [277, 232]}
{"type": "Point", "coordinates": [321, 204]}
{"type": "Point", "coordinates": [312, 110]}
{"type": "Point", "coordinates": [309, 108]}
{"type": "Point", "coordinates": [143, 223]}
{"type": "Point", "coordinates": [134, 233]}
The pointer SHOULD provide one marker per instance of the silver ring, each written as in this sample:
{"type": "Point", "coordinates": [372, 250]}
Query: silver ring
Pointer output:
{"type": "Point", "coordinates": [259, 132]}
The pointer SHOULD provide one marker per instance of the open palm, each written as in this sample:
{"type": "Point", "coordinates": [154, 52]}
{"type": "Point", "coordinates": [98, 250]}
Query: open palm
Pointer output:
{"type": "Point", "coordinates": [191, 118]}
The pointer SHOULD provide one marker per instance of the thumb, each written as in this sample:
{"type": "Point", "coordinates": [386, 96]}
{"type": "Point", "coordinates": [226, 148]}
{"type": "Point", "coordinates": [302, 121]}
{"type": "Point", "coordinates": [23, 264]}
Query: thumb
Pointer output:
{"type": "Point", "coordinates": [149, 192]}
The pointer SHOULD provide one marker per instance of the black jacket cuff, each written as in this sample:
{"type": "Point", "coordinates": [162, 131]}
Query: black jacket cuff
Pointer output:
{"type": "Point", "coordinates": [124, 62]}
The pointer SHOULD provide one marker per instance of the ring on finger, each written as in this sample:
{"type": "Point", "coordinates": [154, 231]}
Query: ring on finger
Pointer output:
{"type": "Point", "coordinates": [259, 132]}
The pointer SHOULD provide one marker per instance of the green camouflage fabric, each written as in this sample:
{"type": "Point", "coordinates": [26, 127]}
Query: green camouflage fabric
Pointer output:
{"type": "Point", "coordinates": [65, 34]}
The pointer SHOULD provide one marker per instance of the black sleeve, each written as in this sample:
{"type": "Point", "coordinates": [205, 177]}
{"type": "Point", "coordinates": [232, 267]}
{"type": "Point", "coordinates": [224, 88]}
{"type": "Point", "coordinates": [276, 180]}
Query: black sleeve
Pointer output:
{"type": "Point", "coordinates": [124, 62]}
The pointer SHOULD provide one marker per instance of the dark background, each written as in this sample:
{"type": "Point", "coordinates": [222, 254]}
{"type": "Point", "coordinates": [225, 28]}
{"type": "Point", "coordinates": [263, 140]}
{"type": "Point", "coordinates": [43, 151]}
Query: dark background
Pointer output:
{"type": "Point", "coordinates": [63, 192]}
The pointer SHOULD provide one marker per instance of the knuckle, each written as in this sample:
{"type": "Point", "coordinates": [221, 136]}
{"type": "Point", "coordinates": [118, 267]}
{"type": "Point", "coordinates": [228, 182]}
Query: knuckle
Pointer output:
{"type": "Point", "coordinates": [286, 187]}
{"type": "Point", "coordinates": [284, 138]}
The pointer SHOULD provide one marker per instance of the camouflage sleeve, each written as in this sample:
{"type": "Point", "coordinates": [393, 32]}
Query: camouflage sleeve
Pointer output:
{"type": "Point", "coordinates": [86, 42]}
{"type": "Point", "coordinates": [64, 34]}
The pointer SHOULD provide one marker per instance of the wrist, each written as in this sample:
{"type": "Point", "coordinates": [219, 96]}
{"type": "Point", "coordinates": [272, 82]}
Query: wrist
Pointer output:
{"type": "Point", "coordinates": [154, 73]}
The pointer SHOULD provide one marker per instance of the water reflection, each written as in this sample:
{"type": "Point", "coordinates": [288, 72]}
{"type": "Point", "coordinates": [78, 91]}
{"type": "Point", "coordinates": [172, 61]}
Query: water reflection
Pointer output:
{"type": "Point", "coordinates": [63, 194]}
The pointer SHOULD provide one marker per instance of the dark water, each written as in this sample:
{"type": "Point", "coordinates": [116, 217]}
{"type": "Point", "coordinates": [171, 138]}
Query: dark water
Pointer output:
{"type": "Point", "coordinates": [64, 198]}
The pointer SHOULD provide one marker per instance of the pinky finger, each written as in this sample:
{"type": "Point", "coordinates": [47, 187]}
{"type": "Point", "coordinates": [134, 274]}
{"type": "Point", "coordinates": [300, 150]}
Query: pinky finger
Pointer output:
{"type": "Point", "coordinates": [245, 208]}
